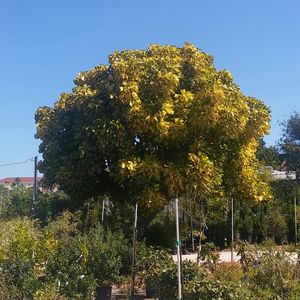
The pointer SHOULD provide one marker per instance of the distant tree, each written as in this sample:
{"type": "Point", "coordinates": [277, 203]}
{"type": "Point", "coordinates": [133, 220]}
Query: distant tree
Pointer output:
{"type": "Point", "coordinates": [16, 203]}
{"type": "Point", "coordinates": [151, 125]}
{"type": "Point", "coordinates": [17, 182]}
{"type": "Point", "coordinates": [268, 156]}
{"type": "Point", "coordinates": [284, 192]}
{"type": "Point", "coordinates": [290, 143]}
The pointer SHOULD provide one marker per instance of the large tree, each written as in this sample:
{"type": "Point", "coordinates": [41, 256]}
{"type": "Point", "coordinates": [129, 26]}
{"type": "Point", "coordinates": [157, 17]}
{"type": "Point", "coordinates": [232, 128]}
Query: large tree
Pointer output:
{"type": "Point", "coordinates": [153, 124]}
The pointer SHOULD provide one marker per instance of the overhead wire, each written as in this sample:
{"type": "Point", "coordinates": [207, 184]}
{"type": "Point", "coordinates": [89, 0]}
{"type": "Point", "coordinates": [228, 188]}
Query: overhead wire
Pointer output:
{"type": "Point", "coordinates": [17, 163]}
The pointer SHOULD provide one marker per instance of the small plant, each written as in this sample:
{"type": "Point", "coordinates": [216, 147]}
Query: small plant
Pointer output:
{"type": "Point", "coordinates": [213, 289]}
{"type": "Point", "coordinates": [48, 291]}
{"type": "Point", "coordinates": [227, 272]}
{"type": "Point", "coordinates": [210, 253]}
{"type": "Point", "coordinates": [159, 271]}
{"type": "Point", "coordinates": [153, 264]}
{"type": "Point", "coordinates": [246, 257]}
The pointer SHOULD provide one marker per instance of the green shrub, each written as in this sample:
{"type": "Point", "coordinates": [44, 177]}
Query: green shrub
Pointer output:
{"type": "Point", "coordinates": [47, 292]}
{"type": "Point", "coordinates": [160, 273]}
{"type": "Point", "coordinates": [153, 265]}
{"type": "Point", "coordinates": [19, 256]}
{"type": "Point", "coordinates": [161, 231]}
{"type": "Point", "coordinates": [275, 272]}
{"type": "Point", "coordinates": [270, 273]}
{"type": "Point", "coordinates": [66, 268]}
{"type": "Point", "coordinates": [7, 290]}
{"type": "Point", "coordinates": [86, 261]}
{"type": "Point", "coordinates": [210, 253]}
{"type": "Point", "coordinates": [229, 272]}
{"type": "Point", "coordinates": [104, 253]}
{"type": "Point", "coordinates": [213, 289]}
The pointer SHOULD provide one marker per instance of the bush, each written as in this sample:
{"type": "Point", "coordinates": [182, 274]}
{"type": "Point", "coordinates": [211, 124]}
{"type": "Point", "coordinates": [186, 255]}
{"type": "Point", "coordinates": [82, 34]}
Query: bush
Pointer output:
{"type": "Point", "coordinates": [66, 268]}
{"type": "Point", "coordinates": [7, 290]}
{"type": "Point", "coordinates": [47, 292]}
{"type": "Point", "coordinates": [105, 253]}
{"type": "Point", "coordinates": [210, 253]}
{"type": "Point", "coordinates": [276, 272]}
{"type": "Point", "coordinates": [162, 231]}
{"type": "Point", "coordinates": [214, 289]}
{"type": "Point", "coordinates": [19, 256]}
{"type": "Point", "coordinates": [273, 276]}
{"type": "Point", "coordinates": [270, 273]}
{"type": "Point", "coordinates": [228, 272]}
{"type": "Point", "coordinates": [86, 261]}
{"type": "Point", "coordinates": [151, 264]}
{"type": "Point", "coordinates": [58, 260]}
{"type": "Point", "coordinates": [160, 273]}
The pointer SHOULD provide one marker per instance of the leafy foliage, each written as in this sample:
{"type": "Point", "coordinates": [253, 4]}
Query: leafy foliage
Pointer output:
{"type": "Point", "coordinates": [83, 262]}
{"type": "Point", "coordinates": [271, 270]}
{"type": "Point", "coordinates": [58, 259]}
{"type": "Point", "coordinates": [214, 289]}
{"type": "Point", "coordinates": [159, 271]}
{"type": "Point", "coordinates": [161, 231]}
{"type": "Point", "coordinates": [19, 255]}
{"type": "Point", "coordinates": [209, 253]}
{"type": "Point", "coordinates": [16, 202]}
{"type": "Point", "coordinates": [270, 275]}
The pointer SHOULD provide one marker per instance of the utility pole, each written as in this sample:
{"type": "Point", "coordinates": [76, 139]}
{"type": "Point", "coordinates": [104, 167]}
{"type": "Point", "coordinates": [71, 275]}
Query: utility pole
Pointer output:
{"type": "Point", "coordinates": [134, 250]}
{"type": "Point", "coordinates": [35, 184]}
{"type": "Point", "coordinates": [178, 250]}
{"type": "Point", "coordinates": [295, 218]}
{"type": "Point", "coordinates": [192, 229]}
{"type": "Point", "coordinates": [200, 244]}
{"type": "Point", "coordinates": [102, 214]}
{"type": "Point", "coordinates": [232, 230]}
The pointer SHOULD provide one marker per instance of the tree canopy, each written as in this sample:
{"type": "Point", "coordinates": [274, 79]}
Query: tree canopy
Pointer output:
{"type": "Point", "coordinates": [153, 124]}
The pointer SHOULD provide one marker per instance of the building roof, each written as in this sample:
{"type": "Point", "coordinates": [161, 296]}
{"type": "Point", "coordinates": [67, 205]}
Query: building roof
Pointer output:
{"type": "Point", "coordinates": [10, 180]}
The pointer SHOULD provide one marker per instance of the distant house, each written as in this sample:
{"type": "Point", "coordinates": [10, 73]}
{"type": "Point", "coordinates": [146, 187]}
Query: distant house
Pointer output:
{"type": "Point", "coordinates": [283, 174]}
{"type": "Point", "coordinates": [278, 175]}
{"type": "Point", "coordinates": [8, 182]}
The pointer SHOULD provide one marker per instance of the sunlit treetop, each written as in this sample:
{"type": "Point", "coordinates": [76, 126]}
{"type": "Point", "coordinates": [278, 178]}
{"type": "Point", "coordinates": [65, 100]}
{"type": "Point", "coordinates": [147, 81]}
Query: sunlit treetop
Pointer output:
{"type": "Point", "coordinates": [153, 124]}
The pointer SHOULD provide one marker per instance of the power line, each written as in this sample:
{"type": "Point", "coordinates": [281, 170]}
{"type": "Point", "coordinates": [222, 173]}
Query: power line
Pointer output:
{"type": "Point", "coordinates": [17, 163]}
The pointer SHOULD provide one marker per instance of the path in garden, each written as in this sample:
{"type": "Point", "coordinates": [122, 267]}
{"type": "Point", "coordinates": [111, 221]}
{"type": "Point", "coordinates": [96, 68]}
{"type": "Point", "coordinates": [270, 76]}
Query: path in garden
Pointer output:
{"type": "Point", "coordinates": [225, 256]}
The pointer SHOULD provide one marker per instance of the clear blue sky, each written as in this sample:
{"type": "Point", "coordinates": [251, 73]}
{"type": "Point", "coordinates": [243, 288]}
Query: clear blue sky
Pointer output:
{"type": "Point", "coordinates": [44, 44]}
